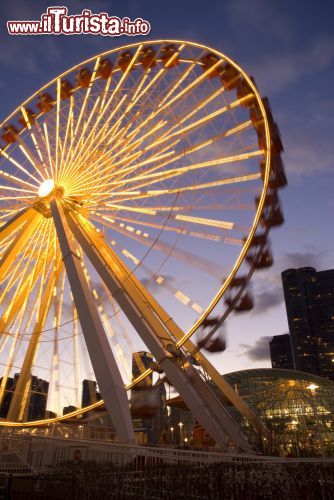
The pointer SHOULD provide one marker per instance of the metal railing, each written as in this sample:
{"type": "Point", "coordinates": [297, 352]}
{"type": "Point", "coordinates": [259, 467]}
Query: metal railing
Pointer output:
{"type": "Point", "coordinates": [27, 453]}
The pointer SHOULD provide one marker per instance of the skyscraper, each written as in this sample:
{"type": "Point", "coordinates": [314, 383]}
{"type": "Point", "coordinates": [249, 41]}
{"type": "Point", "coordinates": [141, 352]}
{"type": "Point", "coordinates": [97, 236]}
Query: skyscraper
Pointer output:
{"type": "Point", "coordinates": [7, 396]}
{"type": "Point", "coordinates": [309, 300]}
{"type": "Point", "coordinates": [89, 393]}
{"type": "Point", "coordinates": [37, 398]}
{"type": "Point", "coordinates": [281, 352]}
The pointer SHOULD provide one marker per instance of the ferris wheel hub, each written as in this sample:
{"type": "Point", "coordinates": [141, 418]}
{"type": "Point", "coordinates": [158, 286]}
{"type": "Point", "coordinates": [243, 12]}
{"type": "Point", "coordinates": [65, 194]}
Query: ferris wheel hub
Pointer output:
{"type": "Point", "coordinates": [46, 188]}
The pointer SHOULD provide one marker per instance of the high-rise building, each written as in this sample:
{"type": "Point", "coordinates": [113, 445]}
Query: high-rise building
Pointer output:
{"type": "Point", "coordinates": [37, 398]}
{"type": "Point", "coordinates": [7, 397]}
{"type": "Point", "coordinates": [309, 299]}
{"type": "Point", "coordinates": [281, 352]}
{"type": "Point", "coordinates": [90, 394]}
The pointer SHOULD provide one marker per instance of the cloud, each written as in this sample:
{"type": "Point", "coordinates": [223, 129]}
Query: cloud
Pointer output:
{"type": "Point", "coordinates": [268, 290]}
{"type": "Point", "coordinates": [245, 15]}
{"type": "Point", "coordinates": [267, 300]}
{"type": "Point", "coordinates": [301, 259]}
{"type": "Point", "coordinates": [275, 72]}
{"type": "Point", "coordinates": [259, 351]}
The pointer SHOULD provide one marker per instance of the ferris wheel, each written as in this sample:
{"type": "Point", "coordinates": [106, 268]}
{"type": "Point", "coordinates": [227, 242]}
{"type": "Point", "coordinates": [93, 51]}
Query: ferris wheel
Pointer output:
{"type": "Point", "coordinates": [137, 191]}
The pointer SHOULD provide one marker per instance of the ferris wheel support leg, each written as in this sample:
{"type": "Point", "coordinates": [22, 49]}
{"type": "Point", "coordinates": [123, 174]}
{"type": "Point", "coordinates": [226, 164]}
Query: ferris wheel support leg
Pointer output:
{"type": "Point", "coordinates": [21, 238]}
{"type": "Point", "coordinates": [232, 395]}
{"type": "Point", "coordinates": [20, 401]}
{"type": "Point", "coordinates": [104, 364]}
{"type": "Point", "coordinates": [20, 218]}
{"type": "Point", "coordinates": [195, 392]}
{"type": "Point", "coordinates": [218, 379]}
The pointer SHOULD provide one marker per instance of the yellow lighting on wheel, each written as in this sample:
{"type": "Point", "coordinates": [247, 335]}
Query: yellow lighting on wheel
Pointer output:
{"type": "Point", "coordinates": [46, 188]}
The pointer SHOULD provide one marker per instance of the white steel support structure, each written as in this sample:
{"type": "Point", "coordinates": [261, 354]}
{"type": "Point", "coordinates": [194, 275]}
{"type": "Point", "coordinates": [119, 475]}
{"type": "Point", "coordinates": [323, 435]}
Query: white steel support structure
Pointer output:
{"type": "Point", "coordinates": [139, 309]}
{"type": "Point", "coordinates": [104, 364]}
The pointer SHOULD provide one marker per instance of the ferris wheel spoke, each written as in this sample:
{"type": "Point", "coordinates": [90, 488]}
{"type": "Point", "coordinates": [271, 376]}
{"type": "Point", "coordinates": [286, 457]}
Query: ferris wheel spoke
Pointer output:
{"type": "Point", "coordinates": [134, 97]}
{"type": "Point", "coordinates": [122, 196]}
{"type": "Point", "coordinates": [86, 99]}
{"type": "Point", "coordinates": [19, 190]}
{"type": "Point", "coordinates": [168, 174]}
{"type": "Point", "coordinates": [20, 167]}
{"type": "Point", "coordinates": [189, 258]}
{"type": "Point", "coordinates": [84, 128]}
{"type": "Point", "coordinates": [67, 134]}
{"type": "Point", "coordinates": [51, 159]}
{"type": "Point", "coordinates": [198, 123]}
{"type": "Point", "coordinates": [183, 230]}
{"type": "Point", "coordinates": [136, 116]}
{"type": "Point", "coordinates": [76, 138]}
{"type": "Point", "coordinates": [30, 156]}
{"type": "Point", "coordinates": [200, 105]}
{"type": "Point", "coordinates": [205, 74]}
{"type": "Point", "coordinates": [186, 151]}
{"type": "Point", "coordinates": [160, 280]}
{"type": "Point", "coordinates": [167, 136]}
{"type": "Point", "coordinates": [105, 93]}
{"type": "Point", "coordinates": [161, 72]}
{"type": "Point", "coordinates": [57, 128]}
{"type": "Point", "coordinates": [109, 157]}
{"type": "Point", "coordinates": [105, 166]}
{"type": "Point", "coordinates": [139, 194]}
{"type": "Point", "coordinates": [33, 137]}
{"type": "Point", "coordinates": [44, 150]}
{"type": "Point", "coordinates": [17, 181]}
{"type": "Point", "coordinates": [97, 140]}
{"type": "Point", "coordinates": [111, 98]}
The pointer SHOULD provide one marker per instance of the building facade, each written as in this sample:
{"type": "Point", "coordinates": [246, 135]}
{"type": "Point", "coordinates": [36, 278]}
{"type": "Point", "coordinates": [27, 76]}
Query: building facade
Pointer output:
{"type": "Point", "coordinates": [309, 299]}
{"type": "Point", "coordinates": [281, 352]}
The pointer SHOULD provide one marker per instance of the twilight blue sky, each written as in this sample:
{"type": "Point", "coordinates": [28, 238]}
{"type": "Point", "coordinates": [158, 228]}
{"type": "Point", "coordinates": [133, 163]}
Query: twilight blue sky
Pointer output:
{"type": "Point", "coordinates": [289, 47]}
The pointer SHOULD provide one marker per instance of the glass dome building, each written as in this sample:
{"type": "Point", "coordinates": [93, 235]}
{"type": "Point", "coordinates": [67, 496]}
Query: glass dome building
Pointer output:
{"type": "Point", "coordinates": [297, 409]}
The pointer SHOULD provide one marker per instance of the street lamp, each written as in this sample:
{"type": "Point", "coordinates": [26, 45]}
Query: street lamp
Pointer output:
{"type": "Point", "coordinates": [180, 425]}
{"type": "Point", "coordinates": [172, 431]}
{"type": "Point", "coordinates": [312, 387]}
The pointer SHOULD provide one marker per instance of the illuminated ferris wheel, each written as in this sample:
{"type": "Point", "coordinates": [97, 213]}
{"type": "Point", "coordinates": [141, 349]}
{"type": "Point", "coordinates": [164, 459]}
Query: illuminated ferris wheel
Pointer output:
{"type": "Point", "coordinates": [137, 190]}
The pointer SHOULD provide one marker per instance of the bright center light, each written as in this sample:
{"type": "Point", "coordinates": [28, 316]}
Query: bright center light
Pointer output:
{"type": "Point", "coordinates": [46, 188]}
{"type": "Point", "coordinates": [312, 387]}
